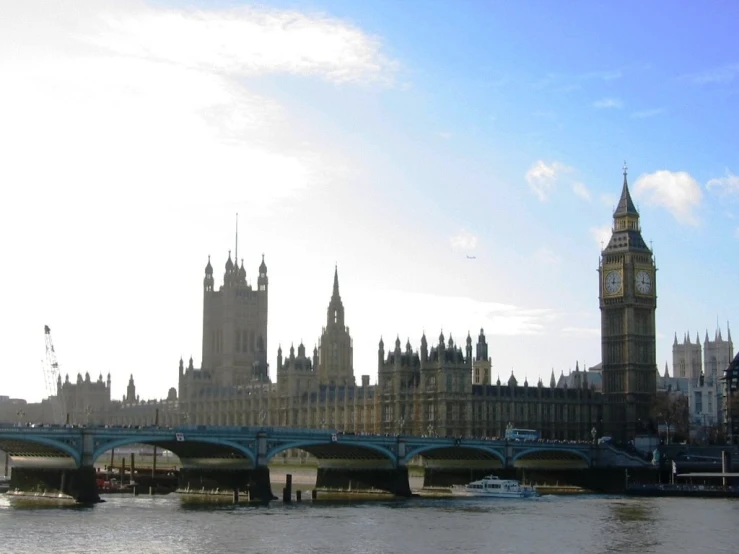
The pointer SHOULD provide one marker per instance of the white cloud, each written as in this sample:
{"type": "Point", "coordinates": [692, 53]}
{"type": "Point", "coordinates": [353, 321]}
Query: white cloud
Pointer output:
{"type": "Point", "coordinates": [644, 114]}
{"type": "Point", "coordinates": [716, 75]}
{"type": "Point", "coordinates": [248, 41]}
{"type": "Point", "coordinates": [454, 315]}
{"type": "Point", "coordinates": [601, 235]}
{"type": "Point", "coordinates": [117, 82]}
{"type": "Point", "coordinates": [463, 240]}
{"type": "Point", "coordinates": [581, 190]}
{"type": "Point", "coordinates": [542, 177]}
{"type": "Point", "coordinates": [676, 191]}
{"type": "Point", "coordinates": [606, 103]}
{"type": "Point", "coordinates": [725, 186]}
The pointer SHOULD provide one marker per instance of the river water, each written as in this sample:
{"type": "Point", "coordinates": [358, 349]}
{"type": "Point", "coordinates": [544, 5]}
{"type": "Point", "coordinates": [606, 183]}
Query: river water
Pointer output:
{"type": "Point", "coordinates": [550, 524]}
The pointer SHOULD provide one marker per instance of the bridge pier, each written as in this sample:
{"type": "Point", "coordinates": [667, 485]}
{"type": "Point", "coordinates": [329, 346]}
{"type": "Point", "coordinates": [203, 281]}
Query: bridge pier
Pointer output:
{"type": "Point", "coordinates": [260, 487]}
{"type": "Point", "coordinates": [364, 480]}
{"type": "Point", "coordinates": [227, 483]}
{"type": "Point", "coordinates": [77, 484]}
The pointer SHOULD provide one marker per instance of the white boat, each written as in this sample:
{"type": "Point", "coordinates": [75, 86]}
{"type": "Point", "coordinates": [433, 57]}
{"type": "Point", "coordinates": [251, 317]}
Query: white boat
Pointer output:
{"type": "Point", "coordinates": [495, 487]}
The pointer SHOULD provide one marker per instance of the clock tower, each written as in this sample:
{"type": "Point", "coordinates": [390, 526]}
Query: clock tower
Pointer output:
{"type": "Point", "coordinates": [628, 301]}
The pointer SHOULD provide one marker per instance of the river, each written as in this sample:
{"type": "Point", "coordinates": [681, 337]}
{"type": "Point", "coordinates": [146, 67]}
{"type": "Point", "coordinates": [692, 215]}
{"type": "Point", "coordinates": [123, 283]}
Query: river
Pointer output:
{"type": "Point", "coordinates": [550, 524]}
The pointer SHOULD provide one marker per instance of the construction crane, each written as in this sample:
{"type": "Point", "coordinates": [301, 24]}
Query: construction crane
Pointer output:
{"type": "Point", "coordinates": [51, 375]}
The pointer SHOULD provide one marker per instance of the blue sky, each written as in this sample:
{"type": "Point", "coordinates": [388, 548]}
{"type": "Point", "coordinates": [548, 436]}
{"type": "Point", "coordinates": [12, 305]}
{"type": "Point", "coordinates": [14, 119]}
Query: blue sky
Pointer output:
{"type": "Point", "coordinates": [396, 139]}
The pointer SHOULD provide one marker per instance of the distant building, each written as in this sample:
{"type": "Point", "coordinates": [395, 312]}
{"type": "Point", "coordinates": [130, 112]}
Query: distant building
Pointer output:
{"type": "Point", "coordinates": [703, 367]}
{"type": "Point", "coordinates": [85, 401]}
{"type": "Point", "coordinates": [672, 385]}
{"type": "Point", "coordinates": [590, 378]}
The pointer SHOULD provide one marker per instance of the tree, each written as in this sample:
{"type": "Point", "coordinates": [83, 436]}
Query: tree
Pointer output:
{"type": "Point", "coordinates": [672, 410]}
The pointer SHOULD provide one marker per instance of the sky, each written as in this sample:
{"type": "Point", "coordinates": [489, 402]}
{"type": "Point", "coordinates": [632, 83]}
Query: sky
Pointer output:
{"type": "Point", "coordinates": [458, 161]}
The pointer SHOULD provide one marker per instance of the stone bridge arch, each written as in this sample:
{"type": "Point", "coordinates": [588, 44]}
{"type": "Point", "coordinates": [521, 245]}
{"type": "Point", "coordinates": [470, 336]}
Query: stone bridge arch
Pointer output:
{"type": "Point", "coordinates": [446, 465]}
{"type": "Point", "coordinates": [462, 452]}
{"type": "Point", "coordinates": [330, 450]}
{"type": "Point", "coordinates": [221, 451]}
{"type": "Point", "coordinates": [551, 458]}
{"type": "Point", "coordinates": [19, 446]}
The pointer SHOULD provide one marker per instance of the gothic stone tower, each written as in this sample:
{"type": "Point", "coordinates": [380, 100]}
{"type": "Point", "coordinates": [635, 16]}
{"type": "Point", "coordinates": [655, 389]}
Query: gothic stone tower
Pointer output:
{"type": "Point", "coordinates": [336, 352]}
{"type": "Point", "coordinates": [628, 302]}
{"type": "Point", "coordinates": [686, 358]}
{"type": "Point", "coordinates": [481, 365]}
{"type": "Point", "coordinates": [235, 326]}
{"type": "Point", "coordinates": [717, 355]}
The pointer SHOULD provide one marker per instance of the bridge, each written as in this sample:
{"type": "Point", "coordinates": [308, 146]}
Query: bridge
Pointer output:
{"type": "Point", "coordinates": [238, 457]}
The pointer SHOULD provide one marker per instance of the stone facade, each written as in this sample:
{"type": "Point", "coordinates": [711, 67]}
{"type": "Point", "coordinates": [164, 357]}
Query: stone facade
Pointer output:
{"type": "Point", "coordinates": [85, 401]}
{"type": "Point", "coordinates": [433, 391]}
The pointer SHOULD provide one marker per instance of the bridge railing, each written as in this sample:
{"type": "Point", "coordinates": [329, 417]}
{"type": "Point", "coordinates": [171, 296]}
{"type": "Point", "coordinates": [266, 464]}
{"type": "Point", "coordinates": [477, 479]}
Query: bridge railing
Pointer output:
{"type": "Point", "coordinates": [25, 429]}
{"type": "Point", "coordinates": [275, 430]}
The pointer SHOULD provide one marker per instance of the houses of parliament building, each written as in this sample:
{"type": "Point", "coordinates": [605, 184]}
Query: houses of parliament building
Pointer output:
{"type": "Point", "coordinates": [443, 387]}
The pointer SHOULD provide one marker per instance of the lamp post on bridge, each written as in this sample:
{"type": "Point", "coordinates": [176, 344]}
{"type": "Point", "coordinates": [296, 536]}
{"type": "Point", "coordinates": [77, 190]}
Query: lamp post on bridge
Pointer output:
{"type": "Point", "coordinates": [21, 414]}
{"type": "Point", "coordinates": [667, 427]}
{"type": "Point", "coordinates": [594, 434]}
{"type": "Point", "coordinates": [88, 413]}
{"type": "Point", "coordinates": [401, 424]}
{"type": "Point", "coordinates": [430, 429]}
{"type": "Point", "coordinates": [667, 422]}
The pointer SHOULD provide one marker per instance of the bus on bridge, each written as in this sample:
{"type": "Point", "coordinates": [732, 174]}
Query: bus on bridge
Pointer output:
{"type": "Point", "coordinates": [522, 434]}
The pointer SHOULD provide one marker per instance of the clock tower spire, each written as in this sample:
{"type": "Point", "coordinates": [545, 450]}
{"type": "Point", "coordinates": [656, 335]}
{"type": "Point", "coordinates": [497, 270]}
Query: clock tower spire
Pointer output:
{"type": "Point", "coordinates": [628, 302]}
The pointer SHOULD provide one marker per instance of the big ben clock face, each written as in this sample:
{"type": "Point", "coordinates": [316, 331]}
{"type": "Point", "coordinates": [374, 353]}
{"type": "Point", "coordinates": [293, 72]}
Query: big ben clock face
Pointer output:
{"type": "Point", "coordinates": [643, 282]}
{"type": "Point", "coordinates": [613, 282]}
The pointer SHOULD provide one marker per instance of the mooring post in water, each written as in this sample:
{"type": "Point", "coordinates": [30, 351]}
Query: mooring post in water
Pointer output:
{"type": "Point", "coordinates": [6, 465]}
{"type": "Point", "coordinates": [112, 462]}
{"type": "Point", "coordinates": [287, 492]}
{"type": "Point", "coordinates": [154, 462]}
{"type": "Point", "coordinates": [133, 466]}
{"type": "Point", "coordinates": [298, 495]}
{"type": "Point", "coordinates": [236, 495]}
